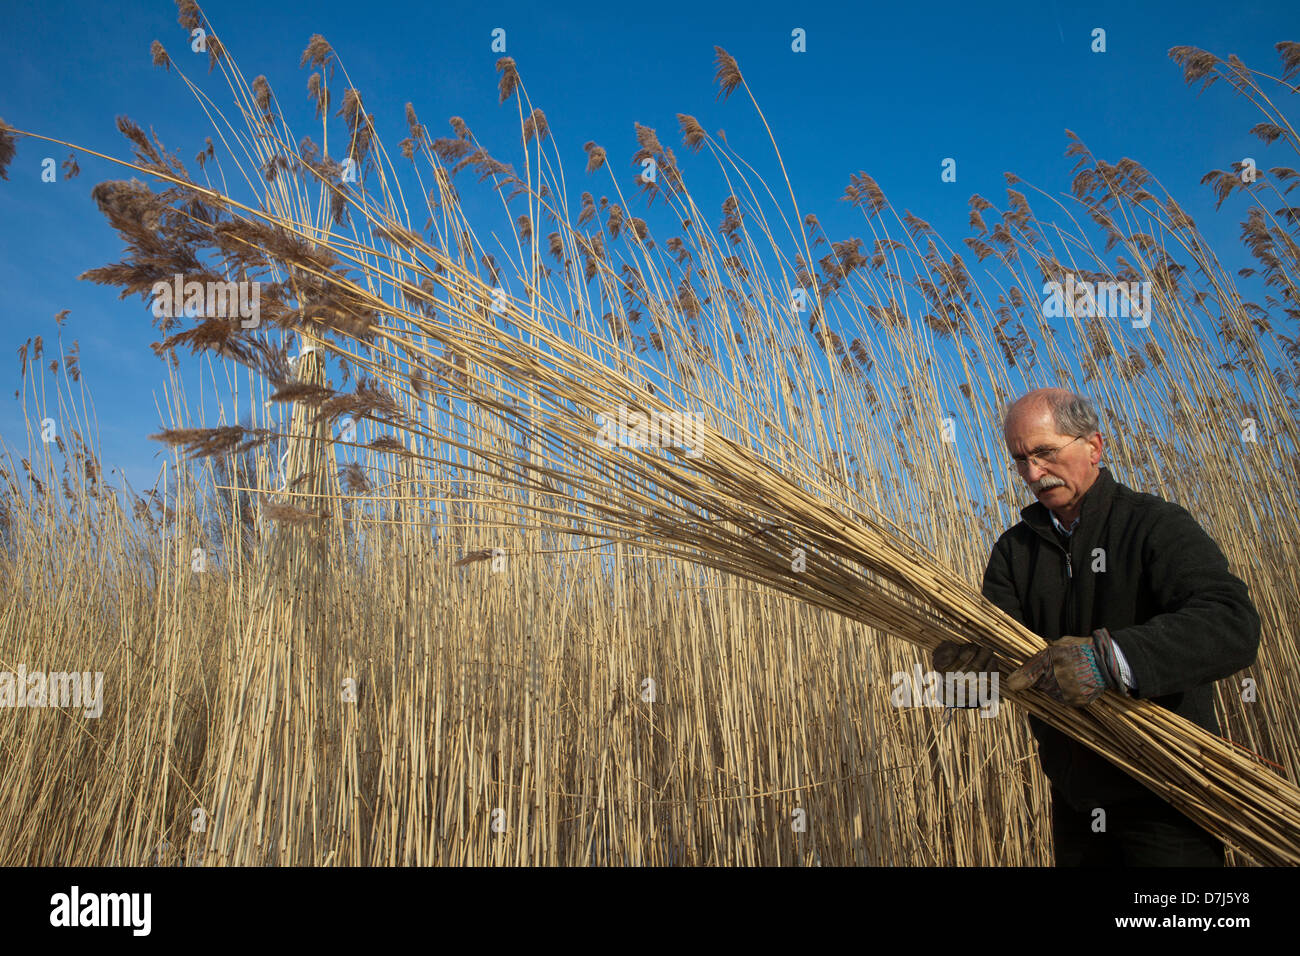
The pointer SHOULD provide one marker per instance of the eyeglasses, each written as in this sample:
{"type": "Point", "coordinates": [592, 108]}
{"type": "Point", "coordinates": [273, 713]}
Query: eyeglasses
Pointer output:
{"type": "Point", "coordinates": [1047, 456]}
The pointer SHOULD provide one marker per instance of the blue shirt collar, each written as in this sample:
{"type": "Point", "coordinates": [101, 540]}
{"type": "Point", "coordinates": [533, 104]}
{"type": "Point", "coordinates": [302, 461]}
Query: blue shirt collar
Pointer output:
{"type": "Point", "coordinates": [1060, 527]}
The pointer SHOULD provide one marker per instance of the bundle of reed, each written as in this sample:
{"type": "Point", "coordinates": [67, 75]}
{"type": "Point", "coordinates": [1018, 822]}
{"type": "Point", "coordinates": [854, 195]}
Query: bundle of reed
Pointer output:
{"type": "Point", "coordinates": [540, 380]}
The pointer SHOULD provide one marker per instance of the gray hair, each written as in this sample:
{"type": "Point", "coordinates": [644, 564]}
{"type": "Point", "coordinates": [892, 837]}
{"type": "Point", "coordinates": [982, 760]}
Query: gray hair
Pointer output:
{"type": "Point", "coordinates": [1071, 414]}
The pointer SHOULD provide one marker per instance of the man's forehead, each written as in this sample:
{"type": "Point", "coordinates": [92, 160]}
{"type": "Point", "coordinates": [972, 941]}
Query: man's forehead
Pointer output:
{"type": "Point", "coordinates": [1033, 439]}
{"type": "Point", "coordinates": [1031, 431]}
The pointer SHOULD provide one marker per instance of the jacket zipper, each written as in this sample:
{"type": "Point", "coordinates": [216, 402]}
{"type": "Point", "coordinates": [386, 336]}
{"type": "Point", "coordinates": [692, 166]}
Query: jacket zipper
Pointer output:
{"type": "Point", "coordinates": [1069, 573]}
{"type": "Point", "coordinates": [1069, 578]}
{"type": "Point", "coordinates": [1069, 590]}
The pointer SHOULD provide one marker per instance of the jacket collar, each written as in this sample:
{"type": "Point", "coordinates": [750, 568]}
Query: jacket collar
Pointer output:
{"type": "Point", "coordinates": [1094, 504]}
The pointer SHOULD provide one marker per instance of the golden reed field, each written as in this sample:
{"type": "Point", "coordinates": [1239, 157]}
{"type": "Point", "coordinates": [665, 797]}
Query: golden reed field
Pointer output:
{"type": "Point", "coordinates": [602, 541]}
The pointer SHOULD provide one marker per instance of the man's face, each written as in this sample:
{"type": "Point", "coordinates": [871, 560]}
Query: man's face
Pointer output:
{"type": "Point", "coordinates": [1059, 485]}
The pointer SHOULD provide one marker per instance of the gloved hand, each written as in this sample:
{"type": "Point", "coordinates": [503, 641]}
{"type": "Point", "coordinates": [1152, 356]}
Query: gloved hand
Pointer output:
{"type": "Point", "coordinates": [1072, 670]}
{"type": "Point", "coordinates": [952, 656]}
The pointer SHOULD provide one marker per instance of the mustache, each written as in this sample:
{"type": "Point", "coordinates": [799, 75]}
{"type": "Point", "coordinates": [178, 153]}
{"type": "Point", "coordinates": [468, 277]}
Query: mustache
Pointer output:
{"type": "Point", "coordinates": [1042, 484]}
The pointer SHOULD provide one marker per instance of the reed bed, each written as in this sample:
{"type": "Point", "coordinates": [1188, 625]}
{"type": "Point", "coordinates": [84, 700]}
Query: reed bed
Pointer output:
{"type": "Point", "coordinates": [447, 621]}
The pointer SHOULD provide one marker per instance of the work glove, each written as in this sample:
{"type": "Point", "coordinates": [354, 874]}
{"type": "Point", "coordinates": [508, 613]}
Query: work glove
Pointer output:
{"type": "Point", "coordinates": [1072, 670]}
{"type": "Point", "coordinates": [954, 656]}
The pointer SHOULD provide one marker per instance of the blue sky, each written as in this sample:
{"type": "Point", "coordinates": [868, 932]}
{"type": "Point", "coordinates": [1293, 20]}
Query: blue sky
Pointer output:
{"type": "Point", "coordinates": [890, 89]}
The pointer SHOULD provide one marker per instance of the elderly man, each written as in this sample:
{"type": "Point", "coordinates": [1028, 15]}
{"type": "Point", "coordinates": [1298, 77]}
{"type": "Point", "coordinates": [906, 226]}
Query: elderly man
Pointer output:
{"type": "Point", "coordinates": [1132, 596]}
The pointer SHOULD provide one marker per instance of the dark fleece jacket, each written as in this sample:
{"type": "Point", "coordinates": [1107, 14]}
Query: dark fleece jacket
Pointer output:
{"type": "Point", "coordinates": [1143, 569]}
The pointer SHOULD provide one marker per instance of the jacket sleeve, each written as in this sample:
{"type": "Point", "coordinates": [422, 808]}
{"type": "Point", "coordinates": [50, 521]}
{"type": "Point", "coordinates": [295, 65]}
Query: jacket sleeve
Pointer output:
{"type": "Point", "coordinates": [1207, 628]}
{"type": "Point", "coordinates": [998, 586]}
